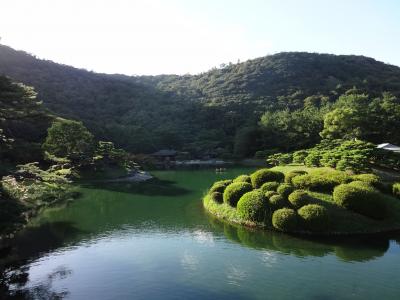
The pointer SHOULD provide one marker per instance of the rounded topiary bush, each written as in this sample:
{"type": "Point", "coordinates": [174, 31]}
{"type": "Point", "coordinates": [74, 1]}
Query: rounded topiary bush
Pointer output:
{"type": "Point", "coordinates": [371, 179]}
{"type": "Point", "coordinates": [367, 202]}
{"type": "Point", "coordinates": [299, 198]}
{"type": "Point", "coordinates": [219, 186]}
{"type": "Point", "coordinates": [269, 194]}
{"type": "Point", "coordinates": [252, 206]}
{"type": "Point", "coordinates": [242, 178]}
{"type": "Point", "coordinates": [216, 197]}
{"type": "Point", "coordinates": [292, 174]}
{"type": "Point", "coordinates": [269, 186]}
{"type": "Point", "coordinates": [323, 180]}
{"type": "Point", "coordinates": [314, 217]}
{"type": "Point", "coordinates": [285, 190]}
{"type": "Point", "coordinates": [262, 176]}
{"type": "Point", "coordinates": [285, 219]}
{"type": "Point", "coordinates": [396, 189]}
{"type": "Point", "coordinates": [361, 185]}
{"type": "Point", "coordinates": [234, 191]}
{"type": "Point", "coordinates": [277, 202]}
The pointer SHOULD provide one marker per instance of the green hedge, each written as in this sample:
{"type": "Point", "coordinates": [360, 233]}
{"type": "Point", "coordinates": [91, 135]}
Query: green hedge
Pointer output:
{"type": "Point", "coordinates": [269, 186]}
{"type": "Point", "coordinates": [290, 175]}
{"type": "Point", "coordinates": [314, 217]}
{"type": "Point", "coordinates": [371, 179]}
{"type": "Point", "coordinates": [299, 198]}
{"type": "Point", "coordinates": [367, 202]}
{"type": "Point", "coordinates": [217, 197]}
{"type": "Point", "coordinates": [242, 178]}
{"type": "Point", "coordinates": [234, 191]}
{"type": "Point", "coordinates": [219, 186]}
{"type": "Point", "coordinates": [321, 180]}
{"type": "Point", "coordinates": [269, 194]}
{"type": "Point", "coordinates": [252, 206]}
{"type": "Point", "coordinates": [277, 202]}
{"type": "Point", "coordinates": [262, 176]}
{"type": "Point", "coordinates": [285, 190]}
{"type": "Point", "coordinates": [285, 219]}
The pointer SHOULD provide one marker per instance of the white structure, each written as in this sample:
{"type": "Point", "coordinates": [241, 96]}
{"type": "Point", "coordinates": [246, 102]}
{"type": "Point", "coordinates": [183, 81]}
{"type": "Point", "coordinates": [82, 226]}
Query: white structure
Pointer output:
{"type": "Point", "coordinates": [389, 147]}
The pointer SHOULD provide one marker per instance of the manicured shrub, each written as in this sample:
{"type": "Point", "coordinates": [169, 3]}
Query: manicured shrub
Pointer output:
{"type": "Point", "coordinates": [314, 217]}
{"type": "Point", "coordinates": [321, 180]}
{"type": "Point", "coordinates": [216, 197]}
{"type": "Point", "coordinates": [219, 186]}
{"type": "Point", "coordinates": [285, 190]}
{"type": "Point", "coordinates": [262, 176]}
{"type": "Point", "coordinates": [371, 179]}
{"type": "Point", "coordinates": [234, 191]}
{"type": "Point", "coordinates": [269, 194]}
{"type": "Point", "coordinates": [299, 198]}
{"type": "Point", "coordinates": [396, 189]}
{"type": "Point", "coordinates": [277, 202]}
{"type": "Point", "coordinates": [242, 178]}
{"type": "Point", "coordinates": [299, 156]}
{"type": "Point", "coordinates": [290, 175]}
{"type": "Point", "coordinates": [269, 186]}
{"type": "Point", "coordinates": [252, 206]}
{"type": "Point", "coordinates": [285, 219]}
{"type": "Point", "coordinates": [367, 202]}
{"type": "Point", "coordinates": [361, 185]}
{"type": "Point", "coordinates": [313, 159]}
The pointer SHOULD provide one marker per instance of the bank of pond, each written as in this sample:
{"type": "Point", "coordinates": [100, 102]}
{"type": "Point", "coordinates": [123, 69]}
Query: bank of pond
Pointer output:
{"type": "Point", "coordinates": [318, 201]}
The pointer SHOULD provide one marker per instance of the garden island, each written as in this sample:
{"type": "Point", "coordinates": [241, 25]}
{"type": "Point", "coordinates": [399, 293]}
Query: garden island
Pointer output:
{"type": "Point", "coordinates": [303, 200]}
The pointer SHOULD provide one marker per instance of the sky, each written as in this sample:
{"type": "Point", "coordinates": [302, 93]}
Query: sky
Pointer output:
{"type": "Point", "coordinates": [149, 37]}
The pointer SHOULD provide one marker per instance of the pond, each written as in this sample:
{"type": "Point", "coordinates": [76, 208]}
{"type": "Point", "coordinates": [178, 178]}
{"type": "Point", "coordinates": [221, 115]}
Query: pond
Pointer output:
{"type": "Point", "coordinates": [155, 241]}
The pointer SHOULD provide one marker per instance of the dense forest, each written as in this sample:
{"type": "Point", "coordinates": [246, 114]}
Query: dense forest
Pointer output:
{"type": "Point", "coordinates": [281, 102]}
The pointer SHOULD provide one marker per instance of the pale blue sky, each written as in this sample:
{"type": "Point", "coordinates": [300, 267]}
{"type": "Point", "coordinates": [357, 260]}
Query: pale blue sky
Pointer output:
{"type": "Point", "coordinates": [186, 36]}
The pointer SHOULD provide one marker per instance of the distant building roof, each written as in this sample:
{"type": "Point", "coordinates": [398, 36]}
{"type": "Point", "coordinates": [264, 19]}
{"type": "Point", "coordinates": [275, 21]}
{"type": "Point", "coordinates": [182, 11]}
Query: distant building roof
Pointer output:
{"type": "Point", "coordinates": [165, 152]}
{"type": "Point", "coordinates": [389, 147]}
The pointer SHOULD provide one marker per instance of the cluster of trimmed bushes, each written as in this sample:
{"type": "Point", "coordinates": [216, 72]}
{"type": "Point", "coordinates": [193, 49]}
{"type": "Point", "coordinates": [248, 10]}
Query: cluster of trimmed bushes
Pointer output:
{"type": "Point", "coordinates": [282, 200]}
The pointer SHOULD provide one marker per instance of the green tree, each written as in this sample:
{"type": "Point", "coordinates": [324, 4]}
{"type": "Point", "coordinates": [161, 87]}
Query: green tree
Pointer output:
{"type": "Point", "coordinates": [69, 139]}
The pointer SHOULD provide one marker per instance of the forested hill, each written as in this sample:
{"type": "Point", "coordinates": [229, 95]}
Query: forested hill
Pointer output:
{"type": "Point", "coordinates": [198, 113]}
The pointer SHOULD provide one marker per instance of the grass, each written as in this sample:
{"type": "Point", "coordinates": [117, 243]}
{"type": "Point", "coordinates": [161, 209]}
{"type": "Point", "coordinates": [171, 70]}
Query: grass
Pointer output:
{"type": "Point", "coordinates": [344, 222]}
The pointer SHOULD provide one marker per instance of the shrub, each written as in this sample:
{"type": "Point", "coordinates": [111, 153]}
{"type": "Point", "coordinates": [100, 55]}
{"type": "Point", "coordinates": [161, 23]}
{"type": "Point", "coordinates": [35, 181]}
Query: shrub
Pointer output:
{"type": "Point", "coordinates": [285, 189]}
{"type": "Point", "coordinates": [234, 191]}
{"type": "Point", "coordinates": [285, 219]}
{"type": "Point", "coordinates": [314, 217]}
{"type": "Point", "coordinates": [219, 186]}
{"type": "Point", "coordinates": [313, 159]}
{"type": "Point", "coordinates": [277, 201]}
{"type": "Point", "coordinates": [299, 156]}
{"type": "Point", "coordinates": [367, 202]}
{"type": "Point", "coordinates": [242, 178]}
{"type": "Point", "coordinates": [269, 194]}
{"type": "Point", "coordinates": [299, 198]}
{"type": "Point", "coordinates": [216, 197]}
{"type": "Point", "coordinates": [262, 176]}
{"type": "Point", "coordinates": [290, 175]}
{"type": "Point", "coordinates": [279, 159]}
{"type": "Point", "coordinates": [361, 185]}
{"type": "Point", "coordinates": [371, 179]}
{"type": "Point", "coordinates": [269, 186]}
{"type": "Point", "coordinates": [396, 189]}
{"type": "Point", "coordinates": [321, 180]}
{"type": "Point", "coordinates": [252, 206]}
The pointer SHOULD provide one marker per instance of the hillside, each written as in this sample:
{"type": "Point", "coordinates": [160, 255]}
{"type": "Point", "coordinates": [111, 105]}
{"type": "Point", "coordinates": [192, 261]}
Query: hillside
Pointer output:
{"type": "Point", "coordinates": [198, 113]}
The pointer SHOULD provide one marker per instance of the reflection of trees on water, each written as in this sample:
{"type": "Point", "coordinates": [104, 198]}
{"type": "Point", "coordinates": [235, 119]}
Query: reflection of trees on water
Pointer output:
{"type": "Point", "coordinates": [28, 245]}
{"type": "Point", "coordinates": [349, 249]}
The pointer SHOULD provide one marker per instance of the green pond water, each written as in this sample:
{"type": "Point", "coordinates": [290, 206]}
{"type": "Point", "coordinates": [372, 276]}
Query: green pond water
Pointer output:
{"type": "Point", "coordinates": [155, 241]}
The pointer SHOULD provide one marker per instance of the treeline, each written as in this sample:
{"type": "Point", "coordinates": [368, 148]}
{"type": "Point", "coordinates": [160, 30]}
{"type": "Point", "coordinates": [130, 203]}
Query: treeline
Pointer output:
{"type": "Point", "coordinates": [41, 153]}
{"type": "Point", "coordinates": [212, 113]}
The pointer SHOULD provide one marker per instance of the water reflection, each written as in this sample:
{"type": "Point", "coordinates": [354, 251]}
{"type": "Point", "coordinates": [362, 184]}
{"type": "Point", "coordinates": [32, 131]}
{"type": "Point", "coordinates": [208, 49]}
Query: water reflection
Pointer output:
{"type": "Point", "coordinates": [28, 245]}
{"type": "Point", "coordinates": [348, 249]}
